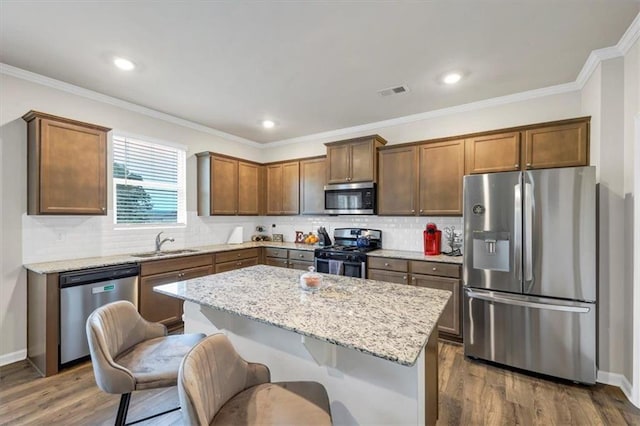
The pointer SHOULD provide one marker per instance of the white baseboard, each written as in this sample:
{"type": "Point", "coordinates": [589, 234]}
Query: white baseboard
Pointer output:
{"type": "Point", "coordinates": [13, 357]}
{"type": "Point", "coordinates": [615, 379]}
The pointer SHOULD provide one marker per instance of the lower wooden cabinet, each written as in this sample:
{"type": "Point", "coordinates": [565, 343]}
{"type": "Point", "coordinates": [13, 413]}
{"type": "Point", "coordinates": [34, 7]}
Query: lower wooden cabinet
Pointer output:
{"type": "Point", "coordinates": [437, 275]}
{"type": "Point", "coordinates": [236, 259]}
{"type": "Point", "coordinates": [156, 307]}
{"type": "Point", "coordinates": [284, 258]}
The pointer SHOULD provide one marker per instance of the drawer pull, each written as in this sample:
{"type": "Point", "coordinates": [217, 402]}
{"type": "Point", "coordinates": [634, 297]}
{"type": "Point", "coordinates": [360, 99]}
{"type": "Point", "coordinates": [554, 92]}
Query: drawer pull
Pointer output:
{"type": "Point", "coordinates": [239, 263]}
{"type": "Point", "coordinates": [285, 262]}
{"type": "Point", "coordinates": [404, 277]}
{"type": "Point", "coordinates": [435, 269]}
{"type": "Point", "coordinates": [301, 256]}
{"type": "Point", "coordinates": [413, 279]}
{"type": "Point", "coordinates": [386, 264]}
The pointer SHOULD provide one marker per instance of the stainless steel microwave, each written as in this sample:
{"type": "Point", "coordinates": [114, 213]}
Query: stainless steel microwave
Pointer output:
{"type": "Point", "coordinates": [350, 198]}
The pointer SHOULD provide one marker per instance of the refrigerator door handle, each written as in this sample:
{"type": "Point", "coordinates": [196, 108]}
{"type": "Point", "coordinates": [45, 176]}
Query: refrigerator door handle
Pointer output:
{"type": "Point", "coordinates": [517, 237]}
{"type": "Point", "coordinates": [528, 235]}
{"type": "Point", "coordinates": [512, 301]}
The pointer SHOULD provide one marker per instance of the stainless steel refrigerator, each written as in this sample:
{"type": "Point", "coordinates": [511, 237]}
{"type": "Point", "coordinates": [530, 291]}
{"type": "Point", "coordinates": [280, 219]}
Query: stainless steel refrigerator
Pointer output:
{"type": "Point", "coordinates": [530, 270]}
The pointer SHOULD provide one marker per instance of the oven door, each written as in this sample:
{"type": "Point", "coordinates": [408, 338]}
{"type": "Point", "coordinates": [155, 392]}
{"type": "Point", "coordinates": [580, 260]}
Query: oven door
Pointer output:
{"type": "Point", "coordinates": [349, 269]}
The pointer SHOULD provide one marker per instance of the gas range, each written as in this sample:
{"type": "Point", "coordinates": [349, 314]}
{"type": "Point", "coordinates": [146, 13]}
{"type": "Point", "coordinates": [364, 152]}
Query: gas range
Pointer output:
{"type": "Point", "coordinates": [351, 245]}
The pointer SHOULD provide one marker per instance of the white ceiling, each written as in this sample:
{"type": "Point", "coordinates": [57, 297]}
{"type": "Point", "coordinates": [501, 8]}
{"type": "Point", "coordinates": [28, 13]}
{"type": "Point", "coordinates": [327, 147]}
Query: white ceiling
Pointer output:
{"type": "Point", "coordinates": [309, 66]}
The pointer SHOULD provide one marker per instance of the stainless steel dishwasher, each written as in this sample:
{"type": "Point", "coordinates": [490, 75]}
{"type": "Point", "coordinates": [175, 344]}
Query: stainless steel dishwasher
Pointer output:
{"type": "Point", "coordinates": [81, 292]}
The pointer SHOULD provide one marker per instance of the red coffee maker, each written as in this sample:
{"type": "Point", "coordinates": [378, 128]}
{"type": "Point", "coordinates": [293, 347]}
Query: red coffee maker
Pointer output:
{"type": "Point", "coordinates": [432, 239]}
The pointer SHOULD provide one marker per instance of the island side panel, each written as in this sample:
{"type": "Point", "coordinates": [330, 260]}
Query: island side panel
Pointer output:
{"type": "Point", "coordinates": [43, 318]}
{"type": "Point", "coordinates": [431, 401]}
{"type": "Point", "coordinates": [363, 389]}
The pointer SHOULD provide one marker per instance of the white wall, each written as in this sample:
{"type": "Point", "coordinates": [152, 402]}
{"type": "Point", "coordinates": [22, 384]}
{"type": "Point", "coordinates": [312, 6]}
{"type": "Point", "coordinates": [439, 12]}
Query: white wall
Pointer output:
{"type": "Point", "coordinates": [28, 239]}
{"type": "Point", "coordinates": [471, 118]}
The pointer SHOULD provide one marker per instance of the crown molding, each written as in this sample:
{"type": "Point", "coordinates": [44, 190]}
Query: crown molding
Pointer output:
{"type": "Point", "coordinates": [100, 97]}
{"type": "Point", "coordinates": [472, 106]}
{"type": "Point", "coordinates": [630, 36]}
{"type": "Point", "coordinates": [592, 62]}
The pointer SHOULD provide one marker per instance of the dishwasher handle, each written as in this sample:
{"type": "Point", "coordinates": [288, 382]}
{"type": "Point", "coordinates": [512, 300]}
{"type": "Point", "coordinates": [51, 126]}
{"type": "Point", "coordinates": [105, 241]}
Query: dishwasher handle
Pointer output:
{"type": "Point", "coordinates": [88, 276]}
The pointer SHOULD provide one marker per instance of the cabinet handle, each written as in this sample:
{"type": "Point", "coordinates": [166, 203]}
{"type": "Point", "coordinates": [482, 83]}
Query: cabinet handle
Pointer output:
{"type": "Point", "coordinates": [285, 262]}
{"type": "Point", "coordinates": [421, 211]}
{"type": "Point", "coordinates": [434, 268]}
{"type": "Point", "coordinates": [386, 264]}
{"type": "Point", "coordinates": [404, 277]}
{"type": "Point", "coordinates": [239, 264]}
{"type": "Point", "coordinates": [301, 255]}
{"type": "Point", "coordinates": [517, 166]}
{"type": "Point", "coordinates": [104, 208]}
{"type": "Point", "coordinates": [413, 211]}
{"type": "Point", "coordinates": [413, 279]}
{"type": "Point", "coordinates": [528, 164]}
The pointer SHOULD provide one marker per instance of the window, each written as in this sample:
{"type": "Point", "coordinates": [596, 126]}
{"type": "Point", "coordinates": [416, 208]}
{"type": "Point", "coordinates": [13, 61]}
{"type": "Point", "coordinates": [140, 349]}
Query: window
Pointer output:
{"type": "Point", "coordinates": [148, 182]}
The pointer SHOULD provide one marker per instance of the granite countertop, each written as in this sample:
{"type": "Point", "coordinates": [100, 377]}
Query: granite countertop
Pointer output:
{"type": "Point", "coordinates": [94, 262]}
{"type": "Point", "coordinates": [349, 312]}
{"type": "Point", "coordinates": [415, 255]}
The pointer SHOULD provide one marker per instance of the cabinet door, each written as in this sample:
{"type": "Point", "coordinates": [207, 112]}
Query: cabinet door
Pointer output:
{"type": "Point", "coordinates": [248, 188]}
{"type": "Point", "coordinates": [338, 162]}
{"type": "Point", "coordinates": [277, 261]}
{"type": "Point", "coordinates": [156, 307]}
{"type": "Point", "coordinates": [291, 188]}
{"type": "Point", "coordinates": [72, 169]}
{"type": "Point", "coordinates": [300, 265]}
{"type": "Point", "coordinates": [274, 189]}
{"type": "Point", "coordinates": [450, 318]}
{"type": "Point", "coordinates": [440, 178]}
{"type": "Point", "coordinates": [388, 276]}
{"type": "Point", "coordinates": [224, 186]}
{"type": "Point", "coordinates": [557, 146]}
{"type": "Point", "coordinates": [313, 175]}
{"type": "Point", "coordinates": [493, 153]}
{"type": "Point", "coordinates": [236, 264]}
{"type": "Point", "coordinates": [362, 161]}
{"type": "Point", "coordinates": [397, 182]}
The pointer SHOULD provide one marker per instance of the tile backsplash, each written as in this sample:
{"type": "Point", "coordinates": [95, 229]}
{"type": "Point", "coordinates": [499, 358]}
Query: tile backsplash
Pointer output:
{"type": "Point", "coordinates": [47, 238]}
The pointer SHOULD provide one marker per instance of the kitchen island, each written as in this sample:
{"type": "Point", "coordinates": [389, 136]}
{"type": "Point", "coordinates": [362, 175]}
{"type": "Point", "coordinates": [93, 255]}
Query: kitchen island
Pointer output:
{"type": "Point", "coordinates": [372, 344]}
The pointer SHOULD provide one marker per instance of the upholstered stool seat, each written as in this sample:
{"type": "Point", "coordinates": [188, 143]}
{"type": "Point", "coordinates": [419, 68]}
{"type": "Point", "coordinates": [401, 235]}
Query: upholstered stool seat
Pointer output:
{"type": "Point", "coordinates": [218, 387]}
{"type": "Point", "coordinates": [128, 353]}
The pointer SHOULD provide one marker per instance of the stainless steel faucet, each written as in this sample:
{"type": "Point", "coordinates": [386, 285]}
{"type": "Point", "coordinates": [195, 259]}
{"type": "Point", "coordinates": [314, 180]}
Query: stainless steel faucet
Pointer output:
{"type": "Point", "coordinates": [159, 243]}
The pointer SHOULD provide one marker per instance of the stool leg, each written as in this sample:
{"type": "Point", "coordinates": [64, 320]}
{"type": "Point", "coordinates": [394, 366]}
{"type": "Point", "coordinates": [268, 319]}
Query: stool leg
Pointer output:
{"type": "Point", "coordinates": [121, 418]}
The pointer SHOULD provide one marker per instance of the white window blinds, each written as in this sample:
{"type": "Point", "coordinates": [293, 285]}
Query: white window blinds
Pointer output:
{"type": "Point", "coordinates": [148, 182]}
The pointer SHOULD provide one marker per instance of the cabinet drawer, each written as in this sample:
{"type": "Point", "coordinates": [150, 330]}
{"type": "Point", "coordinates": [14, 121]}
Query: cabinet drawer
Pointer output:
{"type": "Point", "coordinates": [435, 268]}
{"type": "Point", "coordinates": [450, 319]}
{"type": "Point", "coordinates": [388, 276]}
{"type": "Point", "coordinates": [227, 256]}
{"type": "Point", "coordinates": [175, 264]}
{"type": "Point", "coordinates": [277, 261]}
{"type": "Point", "coordinates": [235, 264]}
{"type": "Point", "coordinates": [300, 264]}
{"type": "Point", "coordinates": [276, 252]}
{"type": "Point", "coordinates": [304, 255]}
{"type": "Point", "coordinates": [388, 264]}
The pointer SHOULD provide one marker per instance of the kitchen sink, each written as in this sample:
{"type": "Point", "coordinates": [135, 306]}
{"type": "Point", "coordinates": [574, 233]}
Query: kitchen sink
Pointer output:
{"type": "Point", "coordinates": [162, 253]}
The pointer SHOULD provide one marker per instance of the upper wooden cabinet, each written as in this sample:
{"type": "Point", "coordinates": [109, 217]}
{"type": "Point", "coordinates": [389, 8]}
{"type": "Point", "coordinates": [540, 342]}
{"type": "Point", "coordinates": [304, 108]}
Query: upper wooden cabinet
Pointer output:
{"type": "Point", "coordinates": [313, 176]}
{"type": "Point", "coordinates": [283, 188]}
{"type": "Point", "coordinates": [397, 181]}
{"type": "Point", "coordinates": [563, 145]}
{"type": "Point", "coordinates": [539, 146]}
{"type": "Point", "coordinates": [67, 166]}
{"type": "Point", "coordinates": [227, 185]}
{"type": "Point", "coordinates": [353, 160]}
{"type": "Point", "coordinates": [492, 153]}
{"type": "Point", "coordinates": [423, 179]}
{"type": "Point", "coordinates": [440, 178]}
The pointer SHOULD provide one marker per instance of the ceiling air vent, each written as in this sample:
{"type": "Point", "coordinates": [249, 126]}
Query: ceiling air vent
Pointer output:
{"type": "Point", "coordinates": [393, 90]}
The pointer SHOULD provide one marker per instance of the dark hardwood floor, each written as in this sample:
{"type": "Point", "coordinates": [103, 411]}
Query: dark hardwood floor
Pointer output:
{"type": "Point", "coordinates": [471, 393]}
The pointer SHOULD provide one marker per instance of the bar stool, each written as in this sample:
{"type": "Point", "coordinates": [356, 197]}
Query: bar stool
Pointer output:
{"type": "Point", "coordinates": [129, 353]}
{"type": "Point", "coordinates": [217, 387]}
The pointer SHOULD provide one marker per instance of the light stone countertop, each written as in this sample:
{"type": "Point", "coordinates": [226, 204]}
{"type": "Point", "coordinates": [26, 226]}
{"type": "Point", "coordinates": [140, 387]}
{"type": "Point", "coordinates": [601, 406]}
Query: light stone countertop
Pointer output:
{"type": "Point", "coordinates": [415, 255]}
{"type": "Point", "coordinates": [95, 262]}
{"type": "Point", "coordinates": [349, 312]}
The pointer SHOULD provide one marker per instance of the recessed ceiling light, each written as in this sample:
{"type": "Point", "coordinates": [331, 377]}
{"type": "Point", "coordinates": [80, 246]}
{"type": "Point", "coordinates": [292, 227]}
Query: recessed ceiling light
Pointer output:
{"type": "Point", "coordinates": [268, 124]}
{"type": "Point", "coordinates": [452, 78]}
{"type": "Point", "coordinates": [124, 64]}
